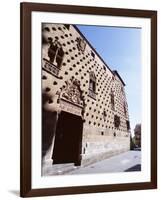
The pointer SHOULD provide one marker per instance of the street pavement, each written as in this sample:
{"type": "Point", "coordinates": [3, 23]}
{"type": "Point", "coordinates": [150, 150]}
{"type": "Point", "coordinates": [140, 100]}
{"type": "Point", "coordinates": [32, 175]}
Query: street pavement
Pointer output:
{"type": "Point", "coordinates": [128, 161]}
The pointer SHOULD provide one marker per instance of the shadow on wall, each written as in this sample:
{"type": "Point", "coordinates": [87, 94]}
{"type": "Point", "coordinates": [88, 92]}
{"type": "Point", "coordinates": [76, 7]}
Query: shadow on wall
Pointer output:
{"type": "Point", "coordinates": [48, 126]}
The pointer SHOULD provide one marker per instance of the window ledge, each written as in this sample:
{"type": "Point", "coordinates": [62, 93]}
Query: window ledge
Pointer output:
{"type": "Point", "coordinates": [51, 68]}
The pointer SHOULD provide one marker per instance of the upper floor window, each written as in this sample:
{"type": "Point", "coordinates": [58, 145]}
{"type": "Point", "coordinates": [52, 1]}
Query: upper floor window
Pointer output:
{"type": "Point", "coordinates": [81, 44]}
{"type": "Point", "coordinates": [122, 89]}
{"type": "Point", "coordinates": [56, 53]}
{"type": "Point", "coordinates": [92, 82]}
{"type": "Point", "coordinates": [92, 54]}
{"type": "Point", "coordinates": [67, 26]}
{"type": "Point", "coordinates": [125, 112]}
{"type": "Point", "coordinates": [112, 100]}
{"type": "Point", "coordinates": [92, 85]}
{"type": "Point", "coordinates": [128, 125]}
{"type": "Point", "coordinates": [116, 121]}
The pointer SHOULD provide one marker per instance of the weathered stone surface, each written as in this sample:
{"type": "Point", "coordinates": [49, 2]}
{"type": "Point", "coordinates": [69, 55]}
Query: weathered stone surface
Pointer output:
{"type": "Point", "coordinates": [101, 138]}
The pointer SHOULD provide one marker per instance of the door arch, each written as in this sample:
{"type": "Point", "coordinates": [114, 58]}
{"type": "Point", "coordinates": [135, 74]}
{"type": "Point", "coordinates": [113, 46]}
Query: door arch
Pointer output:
{"type": "Point", "coordinates": [69, 127]}
{"type": "Point", "coordinates": [68, 139]}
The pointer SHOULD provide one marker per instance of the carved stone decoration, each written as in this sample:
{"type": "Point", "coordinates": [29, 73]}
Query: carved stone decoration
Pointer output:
{"type": "Point", "coordinates": [72, 92]}
{"type": "Point", "coordinates": [72, 95]}
{"type": "Point", "coordinates": [81, 44]}
{"type": "Point", "coordinates": [53, 63]}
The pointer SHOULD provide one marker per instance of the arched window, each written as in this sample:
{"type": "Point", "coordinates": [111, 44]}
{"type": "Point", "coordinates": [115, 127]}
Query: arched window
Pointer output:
{"type": "Point", "coordinates": [92, 85]}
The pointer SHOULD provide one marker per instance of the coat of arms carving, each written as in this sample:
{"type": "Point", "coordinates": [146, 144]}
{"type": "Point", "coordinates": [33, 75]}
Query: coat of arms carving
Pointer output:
{"type": "Point", "coordinates": [72, 92]}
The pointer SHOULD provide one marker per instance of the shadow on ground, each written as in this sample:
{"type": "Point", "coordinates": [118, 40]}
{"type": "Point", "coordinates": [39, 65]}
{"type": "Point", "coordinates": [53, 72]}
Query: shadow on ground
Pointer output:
{"type": "Point", "coordinates": [134, 168]}
{"type": "Point", "coordinates": [15, 192]}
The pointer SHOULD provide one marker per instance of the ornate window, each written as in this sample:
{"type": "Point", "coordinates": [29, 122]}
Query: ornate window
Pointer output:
{"type": "Point", "coordinates": [56, 55]}
{"type": "Point", "coordinates": [116, 121]}
{"type": "Point", "coordinates": [81, 44]}
{"type": "Point", "coordinates": [112, 100]}
{"type": "Point", "coordinates": [92, 85]}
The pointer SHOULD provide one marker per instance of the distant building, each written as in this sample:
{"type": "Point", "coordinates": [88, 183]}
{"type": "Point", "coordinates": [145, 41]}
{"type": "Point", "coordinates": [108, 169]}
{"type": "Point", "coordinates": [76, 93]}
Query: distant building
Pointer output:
{"type": "Point", "coordinates": [84, 108]}
{"type": "Point", "coordinates": [137, 135]}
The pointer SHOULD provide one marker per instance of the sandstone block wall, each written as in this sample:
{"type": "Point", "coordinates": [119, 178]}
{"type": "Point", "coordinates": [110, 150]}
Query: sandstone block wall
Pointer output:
{"type": "Point", "coordinates": [79, 61]}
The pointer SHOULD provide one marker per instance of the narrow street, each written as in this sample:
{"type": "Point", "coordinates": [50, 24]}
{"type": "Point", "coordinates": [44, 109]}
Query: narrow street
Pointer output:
{"type": "Point", "coordinates": [128, 161]}
{"type": "Point", "coordinates": [124, 162]}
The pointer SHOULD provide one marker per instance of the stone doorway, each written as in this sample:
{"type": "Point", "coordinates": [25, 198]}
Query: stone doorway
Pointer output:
{"type": "Point", "coordinates": [68, 139]}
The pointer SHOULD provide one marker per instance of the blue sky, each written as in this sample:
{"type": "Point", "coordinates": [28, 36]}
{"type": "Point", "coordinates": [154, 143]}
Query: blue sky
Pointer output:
{"type": "Point", "coordinates": [120, 48]}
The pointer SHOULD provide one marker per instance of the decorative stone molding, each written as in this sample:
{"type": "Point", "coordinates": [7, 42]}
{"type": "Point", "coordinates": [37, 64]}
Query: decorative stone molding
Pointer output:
{"type": "Point", "coordinates": [70, 97]}
{"type": "Point", "coordinates": [49, 67]}
{"type": "Point", "coordinates": [81, 44]}
{"type": "Point", "coordinates": [55, 57]}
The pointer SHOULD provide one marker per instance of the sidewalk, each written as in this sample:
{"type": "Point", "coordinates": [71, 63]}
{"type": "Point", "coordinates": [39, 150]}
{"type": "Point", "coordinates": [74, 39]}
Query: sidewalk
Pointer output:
{"type": "Point", "coordinates": [128, 161]}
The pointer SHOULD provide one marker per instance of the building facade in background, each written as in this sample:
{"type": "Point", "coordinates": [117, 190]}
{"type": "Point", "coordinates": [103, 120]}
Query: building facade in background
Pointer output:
{"type": "Point", "coordinates": [137, 135]}
{"type": "Point", "coordinates": [84, 109]}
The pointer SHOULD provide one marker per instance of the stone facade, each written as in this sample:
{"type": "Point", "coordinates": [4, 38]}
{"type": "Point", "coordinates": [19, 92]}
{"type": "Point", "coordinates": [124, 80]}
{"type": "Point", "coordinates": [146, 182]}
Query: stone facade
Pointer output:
{"type": "Point", "coordinates": [76, 80]}
{"type": "Point", "coordinates": [137, 137]}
